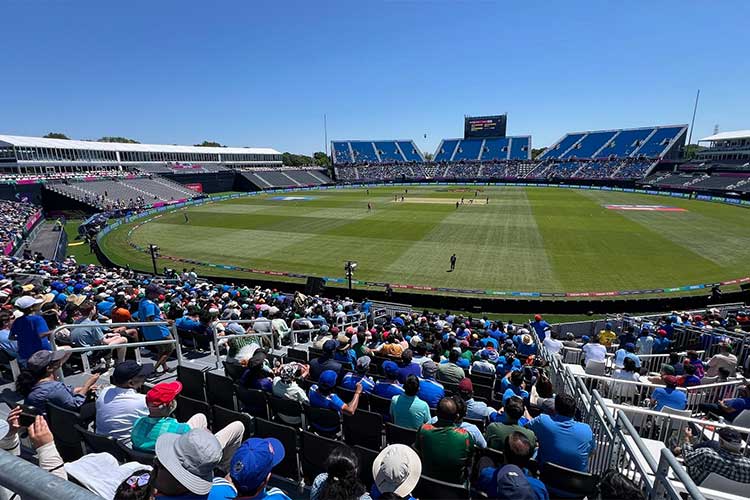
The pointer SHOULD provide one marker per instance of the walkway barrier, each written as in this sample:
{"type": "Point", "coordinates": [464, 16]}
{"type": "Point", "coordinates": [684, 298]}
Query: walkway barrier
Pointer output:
{"type": "Point", "coordinates": [724, 309]}
{"type": "Point", "coordinates": [29, 481]}
{"type": "Point", "coordinates": [651, 362]}
{"type": "Point", "coordinates": [381, 309]}
{"type": "Point", "coordinates": [86, 351]}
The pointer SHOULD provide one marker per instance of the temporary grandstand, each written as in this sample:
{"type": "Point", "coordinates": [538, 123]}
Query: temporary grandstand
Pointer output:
{"type": "Point", "coordinates": [490, 149]}
{"type": "Point", "coordinates": [387, 151]}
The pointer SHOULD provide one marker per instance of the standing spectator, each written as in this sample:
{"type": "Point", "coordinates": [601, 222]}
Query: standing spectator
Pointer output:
{"type": "Point", "coordinates": [340, 481]}
{"type": "Point", "coordinates": [645, 342]}
{"type": "Point", "coordinates": [396, 472]}
{"type": "Point", "coordinates": [540, 327]}
{"type": "Point", "coordinates": [407, 410]}
{"type": "Point", "coordinates": [388, 386]}
{"type": "Point", "coordinates": [445, 448]}
{"type": "Point", "coordinates": [552, 344]}
{"type": "Point", "coordinates": [607, 336]}
{"type": "Point", "coordinates": [149, 311]}
{"type": "Point", "coordinates": [430, 390]}
{"type": "Point", "coordinates": [30, 330]}
{"type": "Point", "coordinates": [562, 440]}
{"type": "Point", "coordinates": [120, 405]}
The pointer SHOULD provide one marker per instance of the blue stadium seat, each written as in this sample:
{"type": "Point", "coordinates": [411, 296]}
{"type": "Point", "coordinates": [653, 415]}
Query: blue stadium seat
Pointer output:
{"type": "Point", "coordinates": [341, 152]}
{"type": "Point", "coordinates": [410, 151]}
{"type": "Point", "coordinates": [363, 151]}
{"type": "Point", "coordinates": [519, 148]}
{"type": "Point", "coordinates": [658, 143]}
{"type": "Point", "coordinates": [562, 146]}
{"type": "Point", "coordinates": [590, 144]}
{"type": "Point", "coordinates": [495, 149]}
{"type": "Point", "coordinates": [625, 142]}
{"type": "Point", "coordinates": [468, 149]}
{"type": "Point", "coordinates": [388, 151]}
{"type": "Point", "coordinates": [446, 149]}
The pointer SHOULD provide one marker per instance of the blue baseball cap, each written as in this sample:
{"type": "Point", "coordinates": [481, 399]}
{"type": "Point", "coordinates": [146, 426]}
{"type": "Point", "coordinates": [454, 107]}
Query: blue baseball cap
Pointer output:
{"type": "Point", "coordinates": [253, 461]}
{"type": "Point", "coordinates": [327, 379]}
{"type": "Point", "coordinates": [329, 346]}
{"type": "Point", "coordinates": [390, 369]}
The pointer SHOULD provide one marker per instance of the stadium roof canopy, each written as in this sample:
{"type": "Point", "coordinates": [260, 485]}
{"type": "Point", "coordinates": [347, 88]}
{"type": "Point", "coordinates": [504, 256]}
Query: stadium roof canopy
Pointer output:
{"type": "Point", "coordinates": [727, 136]}
{"type": "Point", "coordinates": [40, 142]}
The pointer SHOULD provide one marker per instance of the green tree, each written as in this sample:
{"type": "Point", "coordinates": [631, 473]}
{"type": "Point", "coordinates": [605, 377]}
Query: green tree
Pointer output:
{"type": "Point", "coordinates": [209, 144]}
{"type": "Point", "coordinates": [536, 152]}
{"type": "Point", "coordinates": [123, 140]}
{"type": "Point", "coordinates": [293, 160]}
{"type": "Point", "coordinates": [56, 135]}
{"type": "Point", "coordinates": [692, 149]}
{"type": "Point", "coordinates": [321, 159]}
{"type": "Point", "coordinates": [429, 156]}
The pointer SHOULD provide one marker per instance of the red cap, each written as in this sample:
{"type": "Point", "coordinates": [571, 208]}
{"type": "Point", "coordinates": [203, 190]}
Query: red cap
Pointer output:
{"type": "Point", "coordinates": [335, 329]}
{"type": "Point", "coordinates": [465, 385]}
{"type": "Point", "coordinates": [662, 332]}
{"type": "Point", "coordinates": [163, 393]}
{"type": "Point", "coordinates": [670, 380]}
{"type": "Point", "coordinates": [537, 317]}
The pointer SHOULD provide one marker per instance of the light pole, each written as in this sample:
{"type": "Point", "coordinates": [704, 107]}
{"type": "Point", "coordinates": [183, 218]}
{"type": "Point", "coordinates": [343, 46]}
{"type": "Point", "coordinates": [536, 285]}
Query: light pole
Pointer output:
{"type": "Point", "coordinates": [349, 268]}
{"type": "Point", "coordinates": [154, 252]}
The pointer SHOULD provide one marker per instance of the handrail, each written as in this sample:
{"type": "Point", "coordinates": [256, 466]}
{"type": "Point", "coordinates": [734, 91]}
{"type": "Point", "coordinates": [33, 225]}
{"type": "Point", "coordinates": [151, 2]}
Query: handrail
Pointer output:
{"type": "Point", "coordinates": [668, 461]}
{"type": "Point", "coordinates": [29, 481]}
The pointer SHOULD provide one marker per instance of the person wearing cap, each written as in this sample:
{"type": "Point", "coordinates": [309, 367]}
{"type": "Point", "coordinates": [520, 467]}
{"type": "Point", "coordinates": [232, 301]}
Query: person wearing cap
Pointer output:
{"type": "Point", "coordinates": [118, 406]}
{"type": "Point", "coordinates": [730, 408]}
{"type": "Point", "coordinates": [445, 448]}
{"type": "Point", "coordinates": [430, 390]}
{"type": "Point", "coordinates": [661, 342]}
{"type": "Point", "coordinates": [250, 471]}
{"type": "Point", "coordinates": [344, 353]}
{"type": "Point", "coordinates": [322, 395]}
{"type": "Point", "coordinates": [30, 331]}
{"type": "Point", "coordinates": [626, 351]}
{"type": "Point", "coordinates": [326, 361]}
{"type": "Point", "coordinates": [512, 480]}
{"type": "Point", "coordinates": [407, 410]}
{"type": "Point", "coordinates": [607, 335]}
{"type": "Point", "coordinates": [285, 386]}
{"type": "Point", "coordinates": [161, 401]}
{"type": "Point", "coordinates": [396, 471]}
{"type": "Point", "coordinates": [483, 365]}
{"type": "Point", "coordinates": [669, 395]}
{"type": "Point", "coordinates": [38, 384]}
{"type": "Point", "coordinates": [561, 439]}
{"type": "Point", "coordinates": [540, 327]}
{"type": "Point", "coordinates": [477, 410]}
{"type": "Point", "coordinates": [450, 372]}
{"type": "Point", "coordinates": [359, 376]}
{"type": "Point", "coordinates": [148, 311]}
{"type": "Point", "coordinates": [645, 342]}
{"type": "Point", "coordinates": [727, 461]}
{"type": "Point", "coordinates": [388, 386]}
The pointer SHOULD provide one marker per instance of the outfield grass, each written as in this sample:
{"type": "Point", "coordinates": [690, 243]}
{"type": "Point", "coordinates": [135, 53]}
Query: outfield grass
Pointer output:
{"type": "Point", "coordinates": [525, 239]}
{"type": "Point", "coordinates": [76, 247]}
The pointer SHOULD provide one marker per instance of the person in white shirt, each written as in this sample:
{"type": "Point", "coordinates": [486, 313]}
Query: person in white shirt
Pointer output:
{"type": "Point", "coordinates": [594, 351]}
{"type": "Point", "coordinates": [120, 405]}
{"type": "Point", "coordinates": [645, 343]}
{"type": "Point", "coordinates": [724, 359]}
{"type": "Point", "coordinates": [552, 344]}
{"type": "Point", "coordinates": [483, 365]}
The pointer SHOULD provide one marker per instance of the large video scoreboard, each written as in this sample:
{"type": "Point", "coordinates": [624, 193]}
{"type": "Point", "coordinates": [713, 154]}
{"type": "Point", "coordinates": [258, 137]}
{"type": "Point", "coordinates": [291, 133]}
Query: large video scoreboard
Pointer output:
{"type": "Point", "coordinates": [485, 126]}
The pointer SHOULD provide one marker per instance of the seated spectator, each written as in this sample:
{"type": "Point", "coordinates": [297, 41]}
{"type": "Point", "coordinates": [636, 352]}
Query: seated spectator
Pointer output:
{"type": "Point", "coordinates": [388, 386]}
{"type": "Point", "coordinates": [445, 448]}
{"type": "Point", "coordinates": [38, 384]}
{"type": "Point", "coordinates": [628, 373]}
{"type": "Point", "coordinates": [562, 440]}
{"type": "Point", "coordinates": [607, 336]}
{"type": "Point", "coordinates": [545, 394]}
{"type": "Point", "coordinates": [7, 346]}
{"type": "Point", "coordinates": [514, 385]}
{"type": "Point", "coordinates": [430, 390]}
{"type": "Point", "coordinates": [694, 359]}
{"type": "Point", "coordinates": [690, 378]}
{"type": "Point", "coordinates": [285, 386]}
{"type": "Point", "coordinates": [392, 346]}
{"type": "Point", "coordinates": [257, 374]}
{"type": "Point", "coordinates": [344, 353]}
{"type": "Point", "coordinates": [730, 408]}
{"type": "Point", "coordinates": [185, 463]}
{"type": "Point", "coordinates": [661, 342]}
{"type": "Point", "coordinates": [326, 361]}
{"type": "Point", "coordinates": [92, 333]}
{"type": "Point", "coordinates": [483, 364]}
{"type": "Point", "coordinates": [477, 410]}
{"type": "Point", "coordinates": [250, 471]}
{"type": "Point", "coordinates": [121, 404]}
{"type": "Point", "coordinates": [407, 367]}
{"type": "Point", "coordinates": [512, 480]}
{"type": "Point", "coordinates": [645, 342]}
{"type": "Point", "coordinates": [626, 351]}
{"type": "Point", "coordinates": [322, 396]}
{"type": "Point", "coordinates": [407, 410]}
{"type": "Point", "coordinates": [723, 359]}
{"type": "Point", "coordinates": [726, 461]}
{"type": "Point", "coordinates": [420, 353]}
{"type": "Point", "coordinates": [615, 486]}
{"type": "Point", "coordinates": [361, 368]}
{"type": "Point", "coordinates": [341, 478]}
{"type": "Point", "coordinates": [396, 472]}
{"type": "Point", "coordinates": [526, 347]}
{"type": "Point", "coordinates": [669, 396]}
{"type": "Point", "coordinates": [30, 331]}
{"type": "Point", "coordinates": [594, 352]}
{"type": "Point", "coordinates": [450, 372]}
{"type": "Point", "coordinates": [162, 402]}
{"type": "Point", "coordinates": [497, 432]}
{"type": "Point", "coordinates": [677, 365]}
{"type": "Point", "coordinates": [552, 343]}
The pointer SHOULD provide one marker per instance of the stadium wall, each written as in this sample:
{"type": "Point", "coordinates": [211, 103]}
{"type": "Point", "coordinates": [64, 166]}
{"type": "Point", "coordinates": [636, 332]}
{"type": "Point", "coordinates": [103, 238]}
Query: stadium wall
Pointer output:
{"type": "Point", "coordinates": [216, 182]}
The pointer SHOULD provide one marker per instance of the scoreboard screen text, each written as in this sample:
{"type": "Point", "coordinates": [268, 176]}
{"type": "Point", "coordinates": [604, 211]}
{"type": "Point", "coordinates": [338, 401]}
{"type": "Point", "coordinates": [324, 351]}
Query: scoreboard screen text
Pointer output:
{"type": "Point", "coordinates": [484, 126]}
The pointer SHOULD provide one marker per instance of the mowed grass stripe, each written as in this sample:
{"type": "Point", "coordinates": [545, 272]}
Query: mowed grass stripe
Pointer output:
{"type": "Point", "coordinates": [596, 249]}
{"type": "Point", "coordinates": [497, 247]}
{"type": "Point", "coordinates": [708, 229]}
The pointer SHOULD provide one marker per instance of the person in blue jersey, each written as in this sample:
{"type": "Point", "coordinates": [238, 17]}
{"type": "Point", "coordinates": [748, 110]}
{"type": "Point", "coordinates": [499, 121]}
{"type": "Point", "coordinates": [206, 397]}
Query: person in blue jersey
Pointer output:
{"type": "Point", "coordinates": [407, 366]}
{"type": "Point", "coordinates": [540, 327]}
{"type": "Point", "coordinates": [30, 331]}
{"type": "Point", "coordinates": [344, 353]}
{"type": "Point", "coordinates": [500, 482]}
{"type": "Point", "coordinates": [148, 311]}
{"type": "Point", "coordinates": [359, 376]}
{"type": "Point", "coordinates": [669, 396]}
{"type": "Point", "coordinates": [496, 332]}
{"type": "Point", "coordinates": [388, 386]}
{"type": "Point", "coordinates": [322, 395]}
{"type": "Point", "coordinates": [430, 390]}
{"type": "Point", "coordinates": [526, 347]}
{"type": "Point", "coordinates": [250, 471]}
{"type": "Point", "coordinates": [626, 351]}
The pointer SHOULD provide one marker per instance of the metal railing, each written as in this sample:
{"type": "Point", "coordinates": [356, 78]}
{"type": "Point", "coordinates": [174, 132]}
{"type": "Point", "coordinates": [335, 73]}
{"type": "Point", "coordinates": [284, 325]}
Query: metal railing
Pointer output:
{"type": "Point", "coordinates": [30, 482]}
{"type": "Point", "coordinates": [86, 351]}
{"type": "Point", "coordinates": [664, 487]}
{"type": "Point", "coordinates": [651, 362]}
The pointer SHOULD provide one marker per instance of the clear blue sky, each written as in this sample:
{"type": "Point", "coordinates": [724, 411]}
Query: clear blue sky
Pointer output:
{"type": "Point", "coordinates": [263, 73]}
